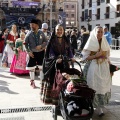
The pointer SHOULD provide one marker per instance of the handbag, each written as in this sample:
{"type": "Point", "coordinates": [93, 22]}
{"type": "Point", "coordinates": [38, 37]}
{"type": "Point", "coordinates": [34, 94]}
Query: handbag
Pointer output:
{"type": "Point", "coordinates": [57, 85]}
{"type": "Point", "coordinates": [113, 68]}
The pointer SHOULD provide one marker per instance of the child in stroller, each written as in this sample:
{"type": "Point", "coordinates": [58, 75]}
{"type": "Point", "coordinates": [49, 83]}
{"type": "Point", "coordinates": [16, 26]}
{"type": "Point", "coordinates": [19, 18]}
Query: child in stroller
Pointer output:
{"type": "Point", "coordinates": [74, 107]}
{"type": "Point", "coordinates": [75, 98]}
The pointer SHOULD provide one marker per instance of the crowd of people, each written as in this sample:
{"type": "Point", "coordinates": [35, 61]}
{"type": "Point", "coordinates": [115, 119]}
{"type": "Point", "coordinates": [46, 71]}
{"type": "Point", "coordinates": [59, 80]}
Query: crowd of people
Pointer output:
{"type": "Point", "coordinates": [23, 51]}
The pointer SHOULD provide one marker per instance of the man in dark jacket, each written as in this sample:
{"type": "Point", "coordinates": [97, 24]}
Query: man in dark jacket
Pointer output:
{"type": "Point", "coordinates": [84, 36]}
{"type": "Point", "coordinates": [35, 44]}
{"type": "Point", "coordinates": [73, 39]}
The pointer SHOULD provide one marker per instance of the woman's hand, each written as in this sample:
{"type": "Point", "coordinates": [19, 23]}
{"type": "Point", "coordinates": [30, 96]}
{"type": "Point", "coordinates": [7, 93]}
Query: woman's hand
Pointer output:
{"type": "Point", "coordinates": [98, 54]}
{"type": "Point", "coordinates": [73, 59]}
{"type": "Point", "coordinates": [31, 54]}
{"type": "Point", "coordinates": [18, 49]}
{"type": "Point", "coordinates": [59, 60]}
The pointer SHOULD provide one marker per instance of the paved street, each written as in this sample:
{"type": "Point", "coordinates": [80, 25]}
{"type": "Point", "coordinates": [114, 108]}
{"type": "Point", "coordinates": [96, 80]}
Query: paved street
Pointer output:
{"type": "Point", "coordinates": [15, 92]}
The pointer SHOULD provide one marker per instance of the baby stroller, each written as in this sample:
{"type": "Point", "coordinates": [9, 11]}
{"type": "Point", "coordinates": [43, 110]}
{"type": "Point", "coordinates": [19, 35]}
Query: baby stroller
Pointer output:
{"type": "Point", "coordinates": [82, 94]}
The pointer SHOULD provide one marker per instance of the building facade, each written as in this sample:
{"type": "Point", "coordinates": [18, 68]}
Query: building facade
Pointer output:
{"type": "Point", "coordinates": [102, 12]}
{"type": "Point", "coordinates": [71, 10]}
{"type": "Point", "coordinates": [49, 11]}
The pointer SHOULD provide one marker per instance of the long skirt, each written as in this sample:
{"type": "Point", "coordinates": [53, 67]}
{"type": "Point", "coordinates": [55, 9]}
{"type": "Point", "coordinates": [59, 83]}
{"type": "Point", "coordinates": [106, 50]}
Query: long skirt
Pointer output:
{"type": "Point", "coordinates": [18, 65]}
{"type": "Point", "coordinates": [7, 58]}
{"type": "Point", "coordinates": [45, 93]}
{"type": "Point", "coordinates": [99, 99]}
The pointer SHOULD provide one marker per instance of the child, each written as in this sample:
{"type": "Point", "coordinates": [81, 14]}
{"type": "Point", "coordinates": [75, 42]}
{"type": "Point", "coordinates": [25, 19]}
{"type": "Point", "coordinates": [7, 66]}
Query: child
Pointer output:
{"type": "Point", "coordinates": [18, 65]}
{"type": "Point", "coordinates": [74, 105]}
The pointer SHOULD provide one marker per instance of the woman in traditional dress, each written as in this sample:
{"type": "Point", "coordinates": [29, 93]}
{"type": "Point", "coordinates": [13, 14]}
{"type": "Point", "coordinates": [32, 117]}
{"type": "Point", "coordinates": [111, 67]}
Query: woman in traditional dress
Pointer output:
{"type": "Point", "coordinates": [18, 65]}
{"type": "Point", "coordinates": [58, 47]}
{"type": "Point", "coordinates": [98, 76]}
{"type": "Point", "coordinates": [9, 48]}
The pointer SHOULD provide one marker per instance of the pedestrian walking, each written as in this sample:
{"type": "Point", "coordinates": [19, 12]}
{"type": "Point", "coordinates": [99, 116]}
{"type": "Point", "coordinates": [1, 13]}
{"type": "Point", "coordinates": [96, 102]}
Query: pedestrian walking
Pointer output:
{"type": "Point", "coordinates": [18, 65]}
{"type": "Point", "coordinates": [73, 39]}
{"type": "Point", "coordinates": [45, 31]}
{"type": "Point", "coordinates": [35, 44]}
{"type": "Point", "coordinates": [107, 34]}
{"type": "Point", "coordinates": [97, 51]}
{"type": "Point", "coordinates": [58, 49]}
{"type": "Point", "coordinates": [84, 37]}
{"type": "Point", "coordinates": [8, 52]}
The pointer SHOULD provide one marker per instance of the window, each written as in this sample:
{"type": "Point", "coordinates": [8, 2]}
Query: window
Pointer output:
{"type": "Point", "coordinates": [72, 15]}
{"type": "Point", "coordinates": [73, 6]}
{"type": "Point", "coordinates": [98, 2]}
{"type": "Point", "coordinates": [107, 14]}
{"type": "Point", "coordinates": [107, 1]}
{"type": "Point", "coordinates": [107, 26]}
{"type": "Point", "coordinates": [82, 4]}
{"type": "Point", "coordinates": [98, 14]}
{"type": "Point", "coordinates": [82, 17]}
{"type": "Point", "coordinates": [90, 14]}
{"type": "Point", "coordinates": [66, 6]}
{"type": "Point", "coordinates": [89, 27]}
{"type": "Point", "coordinates": [118, 7]}
{"type": "Point", "coordinates": [90, 3]}
{"type": "Point", "coordinates": [66, 15]}
{"type": "Point", "coordinates": [118, 11]}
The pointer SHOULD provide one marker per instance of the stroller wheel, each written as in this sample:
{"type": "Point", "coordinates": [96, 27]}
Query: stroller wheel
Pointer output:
{"type": "Point", "coordinates": [54, 112]}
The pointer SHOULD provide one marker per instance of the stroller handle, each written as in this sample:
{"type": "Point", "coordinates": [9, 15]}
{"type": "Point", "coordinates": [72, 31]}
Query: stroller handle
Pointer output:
{"type": "Point", "coordinates": [69, 60]}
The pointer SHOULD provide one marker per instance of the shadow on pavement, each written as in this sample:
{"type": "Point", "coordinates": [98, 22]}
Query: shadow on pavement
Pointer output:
{"type": "Point", "coordinates": [7, 76]}
{"type": "Point", "coordinates": [3, 88]}
{"type": "Point", "coordinates": [115, 95]}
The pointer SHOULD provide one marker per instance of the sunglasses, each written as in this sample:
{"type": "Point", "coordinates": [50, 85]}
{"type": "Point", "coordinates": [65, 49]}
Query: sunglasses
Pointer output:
{"type": "Point", "coordinates": [45, 29]}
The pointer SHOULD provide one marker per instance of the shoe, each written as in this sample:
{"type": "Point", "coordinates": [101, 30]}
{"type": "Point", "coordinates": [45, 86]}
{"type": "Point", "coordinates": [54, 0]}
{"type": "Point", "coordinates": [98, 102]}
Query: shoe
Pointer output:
{"type": "Point", "coordinates": [32, 83]}
{"type": "Point", "coordinates": [102, 114]}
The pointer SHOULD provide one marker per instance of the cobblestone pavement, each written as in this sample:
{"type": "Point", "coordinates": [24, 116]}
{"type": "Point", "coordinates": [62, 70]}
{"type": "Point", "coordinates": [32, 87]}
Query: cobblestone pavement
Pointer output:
{"type": "Point", "coordinates": [18, 97]}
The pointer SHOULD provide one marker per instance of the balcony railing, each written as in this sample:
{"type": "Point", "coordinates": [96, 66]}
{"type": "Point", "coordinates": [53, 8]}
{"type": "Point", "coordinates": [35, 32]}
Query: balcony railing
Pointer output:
{"type": "Point", "coordinates": [117, 14]}
{"type": "Point", "coordinates": [97, 16]}
{"type": "Point", "coordinates": [82, 18]}
{"type": "Point", "coordinates": [82, 6]}
{"type": "Point", "coordinates": [107, 15]}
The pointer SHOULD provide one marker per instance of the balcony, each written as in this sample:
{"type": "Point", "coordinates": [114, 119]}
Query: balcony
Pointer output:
{"type": "Point", "coordinates": [118, 14]}
{"type": "Point", "coordinates": [107, 15]}
{"type": "Point", "coordinates": [97, 17]}
{"type": "Point", "coordinates": [82, 6]}
{"type": "Point", "coordinates": [82, 18]}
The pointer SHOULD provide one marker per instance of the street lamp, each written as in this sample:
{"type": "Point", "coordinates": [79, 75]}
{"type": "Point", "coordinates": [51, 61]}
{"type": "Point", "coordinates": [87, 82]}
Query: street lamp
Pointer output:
{"type": "Point", "coordinates": [88, 22]}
